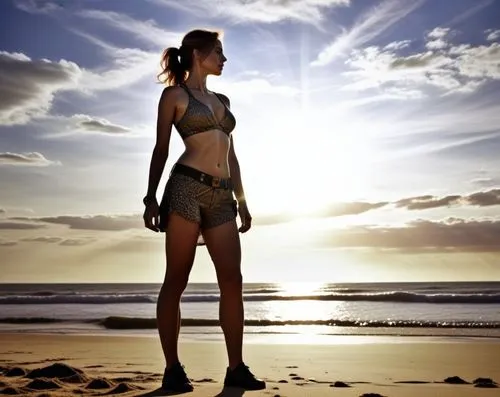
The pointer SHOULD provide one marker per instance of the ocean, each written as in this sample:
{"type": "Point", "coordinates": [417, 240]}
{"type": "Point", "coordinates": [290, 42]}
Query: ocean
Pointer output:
{"type": "Point", "coordinates": [300, 309]}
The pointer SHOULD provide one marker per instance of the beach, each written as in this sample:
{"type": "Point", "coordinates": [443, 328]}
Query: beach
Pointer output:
{"type": "Point", "coordinates": [406, 366]}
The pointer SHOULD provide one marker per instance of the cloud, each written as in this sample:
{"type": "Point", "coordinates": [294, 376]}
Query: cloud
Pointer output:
{"type": "Point", "coordinates": [146, 31]}
{"type": "Point", "coordinates": [485, 181]}
{"type": "Point", "coordinates": [87, 123]}
{"type": "Point", "coordinates": [97, 222]}
{"type": "Point", "coordinates": [334, 210]}
{"type": "Point", "coordinates": [480, 199]}
{"type": "Point", "coordinates": [68, 242]}
{"type": "Point", "coordinates": [7, 243]}
{"type": "Point", "coordinates": [436, 38]}
{"type": "Point", "coordinates": [26, 159]}
{"type": "Point", "coordinates": [266, 11]}
{"type": "Point", "coordinates": [37, 6]}
{"type": "Point", "coordinates": [8, 225]}
{"type": "Point", "coordinates": [43, 239]}
{"type": "Point", "coordinates": [427, 202]}
{"type": "Point", "coordinates": [492, 34]}
{"type": "Point", "coordinates": [483, 199]}
{"type": "Point", "coordinates": [126, 66]}
{"type": "Point", "coordinates": [479, 62]}
{"type": "Point", "coordinates": [369, 26]}
{"type": "Point", "coordinates": [451, 235]}
{"type": "Point", "coordinates": [451, 69]}
{"type": "Point", "coordinates": [352, 208]}
{"type": "Point", "coordinates": [77, 242]}
{"type": "Point", "coordinates": [27, 87]}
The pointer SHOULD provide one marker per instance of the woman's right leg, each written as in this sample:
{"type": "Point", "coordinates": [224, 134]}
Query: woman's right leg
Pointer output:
{"type": "Point", "coordinates": [180, 246]}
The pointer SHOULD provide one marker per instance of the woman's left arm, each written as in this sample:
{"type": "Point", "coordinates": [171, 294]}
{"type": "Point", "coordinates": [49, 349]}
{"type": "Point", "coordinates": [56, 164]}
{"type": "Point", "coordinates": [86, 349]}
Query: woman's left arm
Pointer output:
{"type": "Point", "coordinates": [234, 169]}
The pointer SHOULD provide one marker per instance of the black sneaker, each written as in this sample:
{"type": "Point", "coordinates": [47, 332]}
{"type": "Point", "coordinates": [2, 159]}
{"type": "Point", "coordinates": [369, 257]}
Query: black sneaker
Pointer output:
{"type": "Point", "coordinates": [243, 378]}
{"type": "Point", "coordinates": [176, 380]}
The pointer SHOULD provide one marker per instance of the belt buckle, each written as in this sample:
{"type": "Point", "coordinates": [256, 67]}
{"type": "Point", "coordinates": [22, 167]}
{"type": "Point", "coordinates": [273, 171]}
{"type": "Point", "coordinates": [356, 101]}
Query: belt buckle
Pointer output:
{"type": "Point", "coordinates": [216, 181]}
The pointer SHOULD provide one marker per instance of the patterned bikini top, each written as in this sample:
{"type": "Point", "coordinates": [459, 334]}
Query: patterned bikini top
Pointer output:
{"type": "Point", "coordinates": [199, 118]}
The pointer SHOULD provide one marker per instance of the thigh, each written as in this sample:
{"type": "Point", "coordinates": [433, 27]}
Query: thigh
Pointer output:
{"type": "Point", "coordinates": [223, 244]}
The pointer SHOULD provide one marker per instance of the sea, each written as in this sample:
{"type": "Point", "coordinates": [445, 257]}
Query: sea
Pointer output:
{"type": "Point", "coordinates": [304, 312]}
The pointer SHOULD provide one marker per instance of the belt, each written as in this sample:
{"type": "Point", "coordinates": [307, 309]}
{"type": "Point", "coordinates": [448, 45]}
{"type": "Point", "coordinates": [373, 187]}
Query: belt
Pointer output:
{"type": "Point", "coordinates": [206, 179]}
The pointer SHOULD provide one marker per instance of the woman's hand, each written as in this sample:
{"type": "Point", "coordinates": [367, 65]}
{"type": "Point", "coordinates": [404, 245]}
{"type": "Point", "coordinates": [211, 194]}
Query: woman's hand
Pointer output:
{"type": "Point", "coordinates": [152, 216]}
{"type": "Point", "coordinates": [246, 218]}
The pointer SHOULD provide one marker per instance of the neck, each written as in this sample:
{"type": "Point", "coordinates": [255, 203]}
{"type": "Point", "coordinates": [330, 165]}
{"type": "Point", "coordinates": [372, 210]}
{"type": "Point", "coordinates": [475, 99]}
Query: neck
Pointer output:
{"type": "Point", "coordinates": [197, 81]}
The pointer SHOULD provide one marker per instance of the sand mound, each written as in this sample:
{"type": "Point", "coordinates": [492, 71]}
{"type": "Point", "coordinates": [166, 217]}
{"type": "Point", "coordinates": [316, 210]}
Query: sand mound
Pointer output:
{"type": "Point", "coordinates": [16, 371]}
{"type": "Point", "coordinates": [123, 388]}
{"type": "Point", "coordinates": [485, 382]}
{"type": "Point", "coordinates": [456, 380]}
{"type": "Point", "coordinates": [76, 378]}
{"type": "Point", "coordinates": [42, 384]}
{"type": "Point", "coordinates": [99, 383]}
{"type": "Point", "coordinates": [57, 370]}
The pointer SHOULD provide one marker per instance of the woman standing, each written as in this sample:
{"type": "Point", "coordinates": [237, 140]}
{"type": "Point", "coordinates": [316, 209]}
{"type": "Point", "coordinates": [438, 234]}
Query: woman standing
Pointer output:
{"type": "Point", "coordinates": [198, 205]}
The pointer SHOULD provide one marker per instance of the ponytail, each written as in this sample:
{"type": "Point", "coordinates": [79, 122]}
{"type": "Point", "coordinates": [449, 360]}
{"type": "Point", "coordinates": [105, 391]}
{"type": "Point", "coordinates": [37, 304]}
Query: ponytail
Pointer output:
{"type": "Point", "coordinates": [173, 69]}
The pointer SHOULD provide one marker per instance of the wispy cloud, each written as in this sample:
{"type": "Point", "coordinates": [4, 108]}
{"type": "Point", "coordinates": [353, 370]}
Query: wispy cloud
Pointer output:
{"type": "Point", "coordinates": [97, 222]}
{"type": "Point", "coordinates": [266, 11]}
{"type": "Point", "coordinates": [369, 26]}
{"type": "Point", "coordinates": [492, 35]}
{"type": "Point", "coordinates": [26, 159]}
{"type": "Point", "coordinates": [38, 6]}
{"type": "Point", "coordinates": [147, 31]}
{"type": "Point", "coordinates": [126, 66]}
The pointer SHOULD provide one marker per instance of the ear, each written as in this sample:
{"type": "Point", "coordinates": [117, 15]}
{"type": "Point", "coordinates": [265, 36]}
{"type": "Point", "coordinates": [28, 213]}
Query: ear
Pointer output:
{"type": "Point", "coordinates": [196, 55]}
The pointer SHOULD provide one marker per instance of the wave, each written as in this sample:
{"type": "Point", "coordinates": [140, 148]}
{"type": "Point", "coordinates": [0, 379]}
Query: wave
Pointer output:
{"type": "Point", "coordinates": [122, 322]}
{"type": "Point", "coordinates": [390, 296]}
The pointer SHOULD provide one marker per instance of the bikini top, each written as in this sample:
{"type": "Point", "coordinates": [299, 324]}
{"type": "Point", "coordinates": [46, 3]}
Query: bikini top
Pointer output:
{"type": "Point", "coordinates": [199, 118]}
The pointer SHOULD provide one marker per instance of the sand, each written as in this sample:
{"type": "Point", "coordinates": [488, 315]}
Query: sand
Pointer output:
{"type": "Point", "coordinates": [133, 366]}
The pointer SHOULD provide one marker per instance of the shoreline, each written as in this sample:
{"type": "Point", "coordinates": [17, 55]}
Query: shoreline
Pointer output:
{"type": "Point", "coordinates": [395, 366]}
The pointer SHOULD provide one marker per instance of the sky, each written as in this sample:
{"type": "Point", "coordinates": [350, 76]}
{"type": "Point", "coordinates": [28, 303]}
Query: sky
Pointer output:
{"type": "Point", "coordinates": [368, 136]}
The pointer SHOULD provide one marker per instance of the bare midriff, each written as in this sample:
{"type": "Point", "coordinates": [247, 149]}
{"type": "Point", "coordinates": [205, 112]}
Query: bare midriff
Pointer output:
{"type": "Point", "coordinates": [207, 152]}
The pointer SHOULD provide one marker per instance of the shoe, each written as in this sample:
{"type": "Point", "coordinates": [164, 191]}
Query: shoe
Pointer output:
{"type": "Point", "coordinates": [243, 378]}
{"type": "Point", "coordinates": [176, 380]}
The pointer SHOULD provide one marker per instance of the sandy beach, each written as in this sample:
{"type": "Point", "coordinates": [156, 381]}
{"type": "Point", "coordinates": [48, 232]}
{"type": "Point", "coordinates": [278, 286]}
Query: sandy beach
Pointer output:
{"type": "Point", "coordinates": [70, 365]}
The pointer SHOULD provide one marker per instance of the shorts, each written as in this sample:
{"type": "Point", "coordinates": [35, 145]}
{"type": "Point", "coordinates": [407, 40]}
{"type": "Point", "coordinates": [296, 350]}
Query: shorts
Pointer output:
{"type": "Point", "coordinates": [197, 197]}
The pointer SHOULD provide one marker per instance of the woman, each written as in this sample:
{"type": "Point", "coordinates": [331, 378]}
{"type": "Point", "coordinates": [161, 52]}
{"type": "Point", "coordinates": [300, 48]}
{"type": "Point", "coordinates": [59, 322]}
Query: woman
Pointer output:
{"type": "Point", "coordinates": [198, 201]}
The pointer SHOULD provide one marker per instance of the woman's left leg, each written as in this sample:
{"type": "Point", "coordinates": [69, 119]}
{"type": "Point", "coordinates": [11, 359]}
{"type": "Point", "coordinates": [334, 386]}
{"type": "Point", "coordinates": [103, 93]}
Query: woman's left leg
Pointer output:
{"type": "Point", "coordinates": [223, 244]}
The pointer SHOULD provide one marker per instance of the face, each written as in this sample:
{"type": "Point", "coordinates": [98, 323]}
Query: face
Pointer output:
{"type": "Point", "coordinates": [213, 63]}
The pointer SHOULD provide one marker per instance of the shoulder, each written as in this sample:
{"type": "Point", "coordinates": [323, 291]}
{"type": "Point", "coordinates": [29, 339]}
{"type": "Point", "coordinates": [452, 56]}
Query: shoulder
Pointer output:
{"type": "Point", "coordinates": [172, 94]}
{"type": "Point", "coordinates": [224, 98]}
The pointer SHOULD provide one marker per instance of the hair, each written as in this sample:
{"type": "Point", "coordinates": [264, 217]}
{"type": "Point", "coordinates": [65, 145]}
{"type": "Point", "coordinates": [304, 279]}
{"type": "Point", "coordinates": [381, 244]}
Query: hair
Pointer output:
{"type": "Point", "coordinates": [176, 62]}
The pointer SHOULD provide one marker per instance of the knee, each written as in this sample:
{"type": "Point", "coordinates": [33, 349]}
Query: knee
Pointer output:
{"type": "Point", "coordinates": [230, 281]}
{"type": "Point", "coordinates": [175, 283]}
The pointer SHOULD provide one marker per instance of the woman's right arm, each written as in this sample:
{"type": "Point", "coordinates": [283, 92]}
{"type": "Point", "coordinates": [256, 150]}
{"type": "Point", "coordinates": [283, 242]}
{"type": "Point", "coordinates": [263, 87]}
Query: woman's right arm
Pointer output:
{"type": "Point", "coordinates": [165, 119]}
